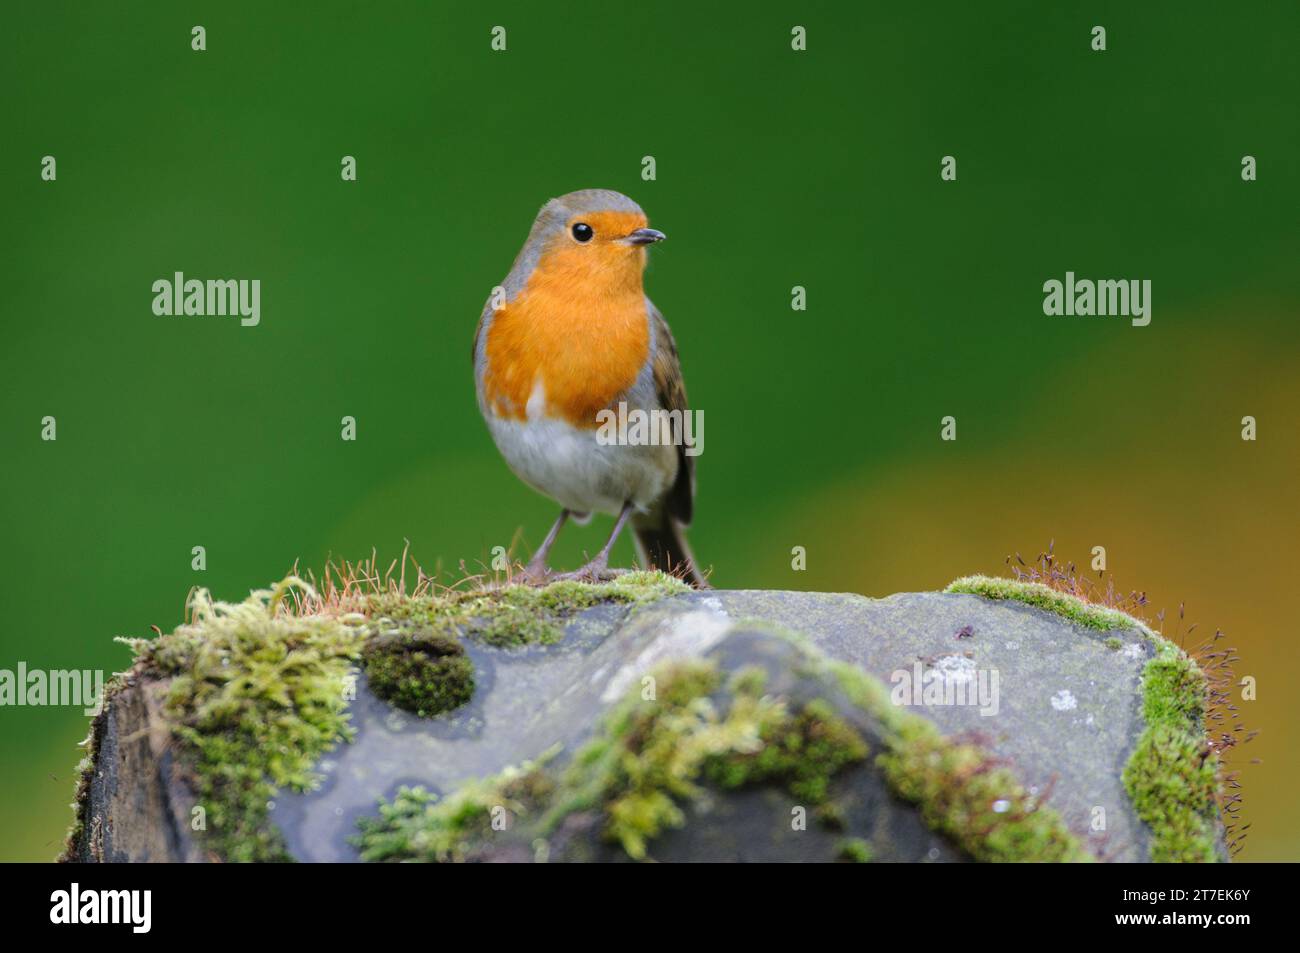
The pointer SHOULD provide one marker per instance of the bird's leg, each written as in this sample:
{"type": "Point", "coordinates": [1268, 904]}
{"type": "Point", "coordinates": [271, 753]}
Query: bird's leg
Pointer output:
{"type": "Point", "coordinates": [600, 564]}
{"type": "Point", "coordinates": [536, 569]}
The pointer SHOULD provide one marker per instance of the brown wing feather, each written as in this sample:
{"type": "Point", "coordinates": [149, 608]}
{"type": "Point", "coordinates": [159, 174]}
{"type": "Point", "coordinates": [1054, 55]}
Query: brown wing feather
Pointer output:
{"type": "Point", "coordinates": [671, 390]}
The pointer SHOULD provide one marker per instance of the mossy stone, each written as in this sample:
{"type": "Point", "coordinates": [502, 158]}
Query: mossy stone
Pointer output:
{"type": "Point", "coordinates": [651, 722]}
{"type": "Point", "coordinates": [419, 670]}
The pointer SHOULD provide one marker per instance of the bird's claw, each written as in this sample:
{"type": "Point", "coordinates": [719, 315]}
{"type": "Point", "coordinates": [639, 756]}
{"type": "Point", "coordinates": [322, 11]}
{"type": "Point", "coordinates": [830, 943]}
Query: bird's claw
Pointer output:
{"type": "Point", "coordinates": [597, 570]}
{"type": "Point", "coordinates": [537, 574]}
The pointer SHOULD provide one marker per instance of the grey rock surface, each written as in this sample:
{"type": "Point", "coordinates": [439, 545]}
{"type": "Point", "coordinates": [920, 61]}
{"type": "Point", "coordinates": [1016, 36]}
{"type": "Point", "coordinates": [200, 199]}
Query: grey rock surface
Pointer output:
{"type": "Point", "coordinates": [1066, 717]}
{"type": "Point", "coordinates": [1068, 708]}
{"type": "Point", "coordinates": [1058, 703]}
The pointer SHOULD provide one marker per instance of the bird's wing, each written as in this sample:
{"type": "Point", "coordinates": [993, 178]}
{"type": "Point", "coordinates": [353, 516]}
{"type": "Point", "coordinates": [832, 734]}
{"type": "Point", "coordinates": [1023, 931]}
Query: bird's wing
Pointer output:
{"type": "Point", "coordinates": [671, 391]}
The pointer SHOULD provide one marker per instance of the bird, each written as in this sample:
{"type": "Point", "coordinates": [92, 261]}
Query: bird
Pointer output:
{"type": "Point", "coordinates": [568, 338]}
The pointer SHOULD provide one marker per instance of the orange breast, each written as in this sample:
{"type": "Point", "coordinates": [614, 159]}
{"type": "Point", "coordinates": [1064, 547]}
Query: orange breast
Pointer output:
{"type": "Point", "coordinates": [579, 327]}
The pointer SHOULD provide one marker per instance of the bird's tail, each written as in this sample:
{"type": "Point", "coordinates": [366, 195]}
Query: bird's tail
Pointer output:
{"type": "Point", "coordinates": [661, 544]}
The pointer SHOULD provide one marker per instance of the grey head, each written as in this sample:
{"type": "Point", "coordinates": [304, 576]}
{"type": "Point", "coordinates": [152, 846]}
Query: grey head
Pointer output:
{"type": "Point", "coordinates": [588, 216]}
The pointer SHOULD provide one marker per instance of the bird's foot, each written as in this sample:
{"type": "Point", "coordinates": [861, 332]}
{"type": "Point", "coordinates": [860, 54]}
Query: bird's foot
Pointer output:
{"type": "Point", "coordinates": [537, 574]}
{"type": "Point", "coordinates": [598, 570]}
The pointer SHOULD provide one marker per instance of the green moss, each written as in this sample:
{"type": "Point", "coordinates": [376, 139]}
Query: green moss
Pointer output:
{"type": "Point", "coordinates": [648, 764]}
{"type": "Point", "coordinates": [750, 680]}
{"type": "Point", "coordinates": [654, 758]}
{"type": "Point", "coordinates": [419, 826]}
{"type": "Point", "coordinates": [423, 671]}
{"type": "Point", "coordinates": [853, 850]}
{"type": "Point", "coordinates": [962, 792]}
{"type": "Point", "coordinates": [1114, 643]}
{"type": "Point", "coordinates": [644, 769]}
{"type": "Point", "coordinates": [519, 615]}
{"type": "Point", "coordinates": [72, 840]}
{"type": "Point", "coordinates": [660, 750]}
{"type": "Point", "coordinates": [257, 697]}
{"type": "Point", "coordinates": [1171, 775]}
{"type": "Point", "coordinates": [831, 816]}
{"type": "Point", "coordinates": [1173, 690]}
{"type": "Point", "coordinates": [960, 789]}
{"type": "Point", "coordinates": [1040, 596]}
{"type": "Point", "coordinates": [801, 752]}
{"type": "Point", "coordinates": [259, 694]}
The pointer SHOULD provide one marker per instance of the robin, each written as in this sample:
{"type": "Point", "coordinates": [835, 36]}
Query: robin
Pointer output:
{"type": "Point", "coordinates": [575, 339]}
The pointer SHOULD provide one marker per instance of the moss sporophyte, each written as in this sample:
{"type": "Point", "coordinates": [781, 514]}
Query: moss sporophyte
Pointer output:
{"type": "Point", "coordinates": [255, 694]}
{"type": "Point", "coordinates": [1172, 775]}
{"type": "Point", "coordinates": [1041, 596]}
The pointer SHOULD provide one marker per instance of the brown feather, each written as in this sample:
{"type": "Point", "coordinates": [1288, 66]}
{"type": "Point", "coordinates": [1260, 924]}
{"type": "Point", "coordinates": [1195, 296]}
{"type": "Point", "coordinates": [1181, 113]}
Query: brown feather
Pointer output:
{"type": "Point", "coordinates": [671, 391]}
{"type": "Point", "coordinates": [659, 536]}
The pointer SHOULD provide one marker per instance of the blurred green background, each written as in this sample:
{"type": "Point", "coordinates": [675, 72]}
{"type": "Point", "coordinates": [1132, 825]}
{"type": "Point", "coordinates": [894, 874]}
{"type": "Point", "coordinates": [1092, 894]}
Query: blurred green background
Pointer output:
{"type": "Point", "coordinates": [775, 169]}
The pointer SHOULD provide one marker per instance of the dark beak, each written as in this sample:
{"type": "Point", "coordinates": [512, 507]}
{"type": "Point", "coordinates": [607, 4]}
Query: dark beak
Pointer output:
{"type": "Point", "coordinates": [645, 236]}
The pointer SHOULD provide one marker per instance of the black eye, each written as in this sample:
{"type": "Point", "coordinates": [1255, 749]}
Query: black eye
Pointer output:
{"type": "Point", "coordinates": [582, 232]}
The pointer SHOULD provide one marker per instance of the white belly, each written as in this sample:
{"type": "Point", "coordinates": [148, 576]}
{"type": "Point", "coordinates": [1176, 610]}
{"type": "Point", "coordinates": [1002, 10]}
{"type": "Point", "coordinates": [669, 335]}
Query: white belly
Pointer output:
{"type": "Point", "coordinates": [577, 471]}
